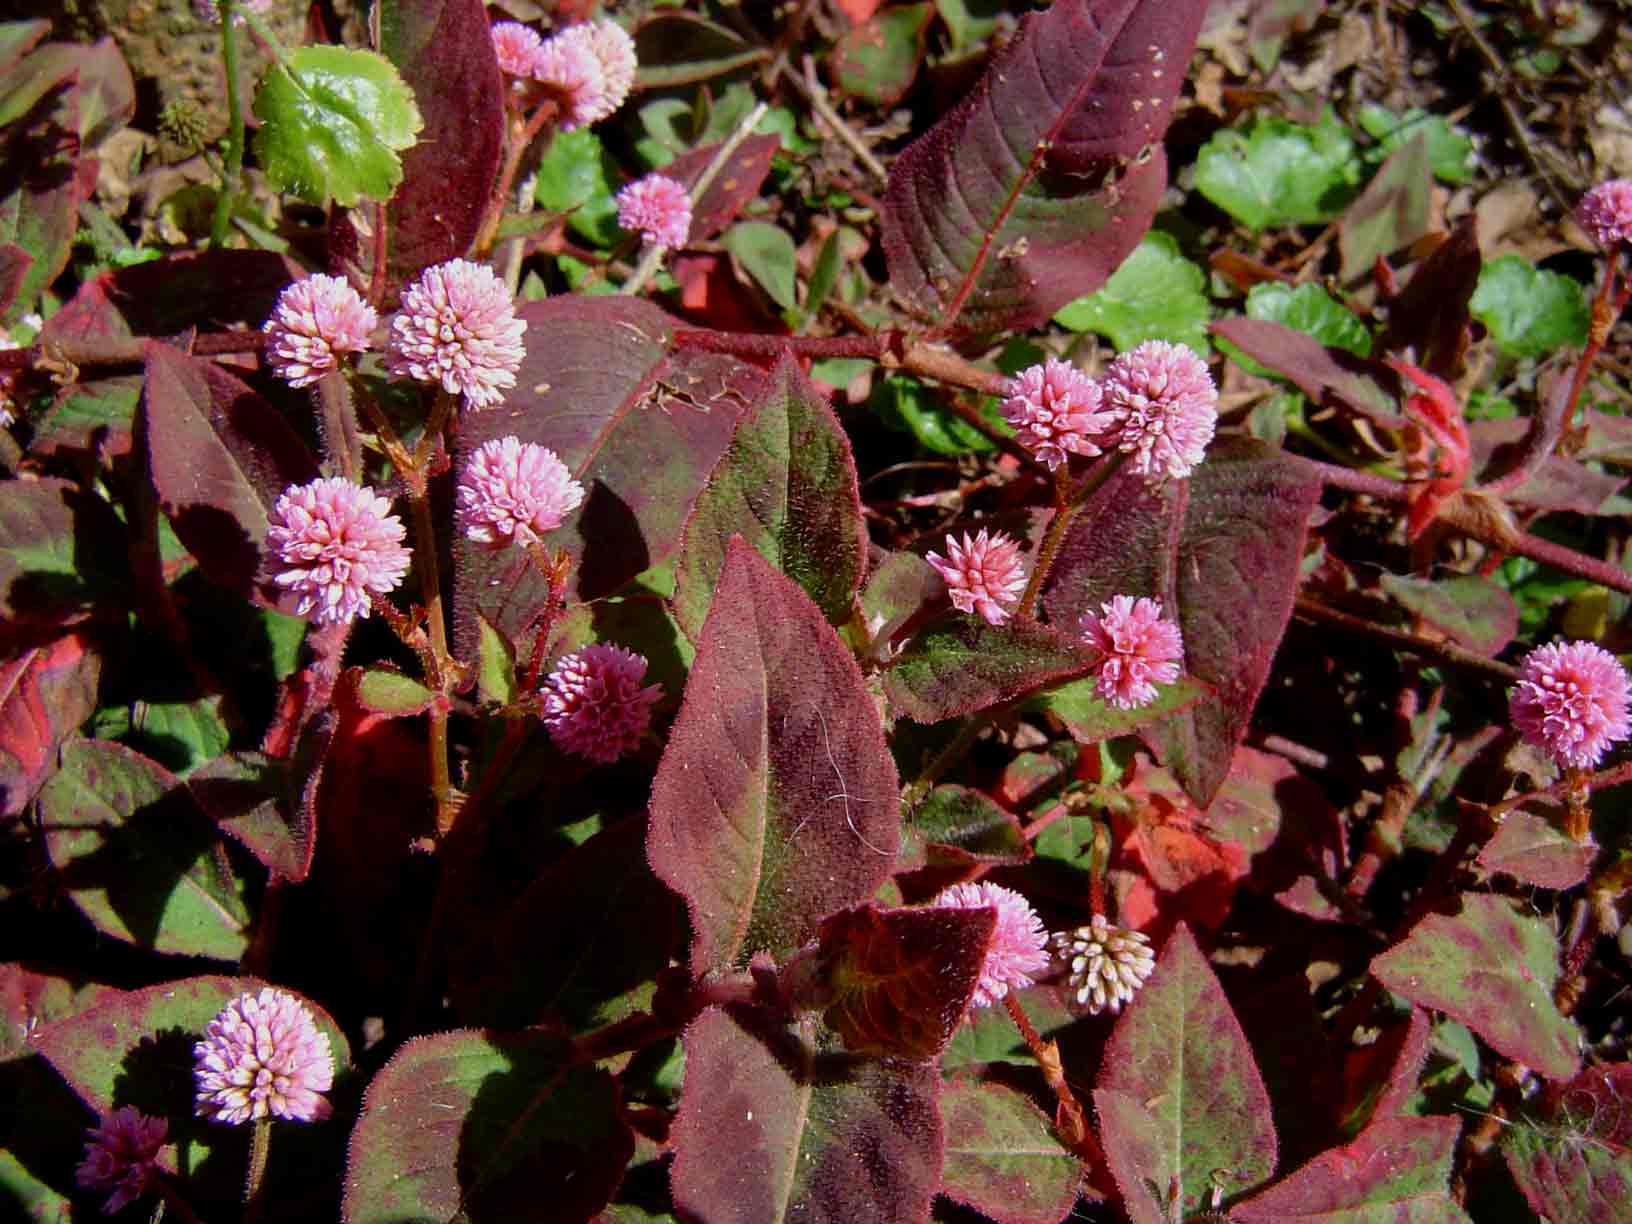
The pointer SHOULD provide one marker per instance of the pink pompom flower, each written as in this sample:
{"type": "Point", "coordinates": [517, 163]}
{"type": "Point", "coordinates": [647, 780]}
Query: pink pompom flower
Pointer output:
{"type": "Point", "coordinates": [338, 544]}
{"type": "Point", "coordinates": [1605, 213]}
{"type": "Point", "coordinates": [458, 327]}
{"type": "Point", "coordinates": [1166, 405]}
{"type": "Point", "coordinates": [1139, 650]}
{"type": "Point", "coordinates": [594, 705]}
{"type": "Point", "coordinates": [983, 573]}
{"type": "Point", "coordinates": [1056, 409]}
{"type": "Point", "coordinates": [121, 1156]}
{"type": "Point", "coordinates": [1018, 951]}
{"type": "Point", "coordinates": [590, 68]}
{"type": "Point", "coordinates": [511, 491]}
{"type": "Point", "coordinates": [263, 1056]}
{"type": "Point", "coordinates": [517, 47]}
{"type": "Point", "coordinates": [315, 321]}
{"type": "Point", "coordinates": [658, 207]}
{"type": "Point", "coordinates": [614, 50]}
{"type": "Point", "coordinates": [1571, 702]}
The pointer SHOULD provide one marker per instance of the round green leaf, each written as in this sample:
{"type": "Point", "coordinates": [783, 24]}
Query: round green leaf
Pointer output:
{"type": "Point", "coordinates": [1155, 295]}
{"type": "Point", "coordinates": [575, 177]}
{"type": "Point", "coordinates": [1529, 311]}
{"type": "Point", "coordinates": [1280, 173]}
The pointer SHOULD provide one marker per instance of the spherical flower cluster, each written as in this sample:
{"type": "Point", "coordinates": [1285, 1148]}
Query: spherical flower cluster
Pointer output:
{"type": "Point", "coordinates": [458, 327]}
{"type": "Point", "coordinates": [610, 43]}
{"type": "Point", "coordinates": [658, 207]}
{"type": "Point", "coordinates": [517, 47]}
{"type": "Point", "coordinates": [1166, 406]}
{"type": "Point", "coordinates": [1605, 213]}
{"type": "Point", "coordinates": [512, 491]}
{"type": "Point", "coordinates": [263, 1055]}
{"type": "Point", "coordinates": [1139, 650]}
{"type": "Point", "coordinates": [590, 68]}
{"type": "Point", "coordinates": [983, 574]}
{"type": "Point", "coordinates": [1057, 409]}
{"type": "Point", "coordinates": [1017, 953]}
{"type": "Point", "coordinates": [1105, 964]}
{"type": "Point", "coordinates": [338, 544]}
{"type": "Point", "coordinates": [1571, 702]}
{"type": "Point", "coordinates": [594, 705]}
{"type": "Point", "coordinates": [121, 1156]}
{"type": "Point", "coordinates": [315, 321]}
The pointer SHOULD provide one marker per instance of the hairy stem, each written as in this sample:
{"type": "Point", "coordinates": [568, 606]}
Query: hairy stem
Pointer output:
{"type": "Point", "coordinates": [1068, 503]}
{"type": "Point", "coordinates": [260, 1144]}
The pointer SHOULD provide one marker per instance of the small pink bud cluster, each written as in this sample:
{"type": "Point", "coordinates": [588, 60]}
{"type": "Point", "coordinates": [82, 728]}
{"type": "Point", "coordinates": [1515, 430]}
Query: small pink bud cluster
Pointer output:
{"type": "Point", "coordinates": [1017, 953]}
{"type": "Point", "coordinates": [1157, 403]}
{"type": "Point", "coordinates": [1138, 650]}
{"type": "Point", "coordinates": [1571, 702]}
{"type": "Point", "coordinates": [594, 705]}
{"type": "Point", "coordinates": [514, 492]}
{"type": "Point", "coordinates": [659, 208]}
{"type": "Point", "coordinates": [457, 328]}
{"type": "Point", "coordinates": [263, 1056]}
{"type": "Point", "coordinates": [517, 47]}
{"type": "Point", "coordinates": [588, 68]}
{"type": "Point", "coordinates": [336, 545]}
{"type": "Point", "coordinates": [983, 573]}
{"type": "Point", "coordinates": [122, 1156]}
{"type": "Point", "coordinates": [316, 321]}
{"type": "Point", "coordinates": [1605, 213]}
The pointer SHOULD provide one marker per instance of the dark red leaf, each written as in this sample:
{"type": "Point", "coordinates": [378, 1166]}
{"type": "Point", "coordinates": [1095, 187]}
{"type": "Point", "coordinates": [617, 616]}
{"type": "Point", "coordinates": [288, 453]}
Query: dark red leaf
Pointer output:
{"type": "Point", "coordinates": [265, 803]}
{"type": "Point", "coordinates": [40, 187]}
{"type": "Point", "coordinates": [1430, 315]}
{"type": "Point", "coordinates": [776, 801]}
{"type": "Point", "coordinates": [209, 290]}
{"type": "Point", "coordinates": [1328, 376]}
{"type": "Point", "coordinates": [14, 265]}
{"type": "Point", "coordinates": [1397, 1168]}
{"type": "Point", "coordinates": [959, 664]}
{"type": "Point", "coordinates": [737, 182]}
{"type": "Point", "coordinates": [1003, 1157]}
{"type": "Point", "coordinates": [1533, 850]}
{"type": "Point", "coordinates": [46, 690]}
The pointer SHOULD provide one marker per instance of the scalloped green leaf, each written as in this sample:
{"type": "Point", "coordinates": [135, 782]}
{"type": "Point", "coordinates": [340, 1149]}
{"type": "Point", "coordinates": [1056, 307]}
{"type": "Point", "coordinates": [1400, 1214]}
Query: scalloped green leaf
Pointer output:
{"type": "Point", "coordinates": [1276, 172]}
{"type": "Point", "coordinates": [1002, 1156]}
{"type": "Point", "coordinates": [877, 60]}
{"type": "Point", "coordinates": [332, 124]}
{"type": "Point", "coordinates": [575, 177]}
{"type": "Point", "coordinates": [1450, 152]}
{"type": "Point", "coordinates": [1157, 294]}
{"type": "Point", "coordinates": [1529, 311]}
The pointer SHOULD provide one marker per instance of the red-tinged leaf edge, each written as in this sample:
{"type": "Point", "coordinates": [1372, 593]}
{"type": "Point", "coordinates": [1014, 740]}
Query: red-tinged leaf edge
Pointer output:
{"type": "Point", "coordinates": [47, 689]}
{"type": "Point", "coordinates": [1330, 377]}
{"type": "Point", "coordinates": [958, 664]}
{"type": "Point", "coordinates": [737, 182]}
{"type": "Point", "coordinates": [1003, 1157]}
{"type": "Point", "coordinates": [1533, 850]}
{"type": "Point", "coordinates": [1399, 1165]}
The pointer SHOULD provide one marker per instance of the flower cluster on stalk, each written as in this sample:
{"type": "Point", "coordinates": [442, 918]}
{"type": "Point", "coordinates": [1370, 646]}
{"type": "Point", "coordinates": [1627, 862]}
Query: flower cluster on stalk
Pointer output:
{"type": "Point", "coordinates": [122, 1156]}
{"type": "Point", "coordinates": [263, 1056]}
{"type": "Point", "coordinates": [315, 322]}
{"type": "Point", "coordinates": [588, 69]}
{"type": "Point", "coordinates": [335, 545]}
{"type": "Point", "coordinates": [514, 492]}
{"type": "Point", "coordinates": [1571, 702]}
{"type": "Point", "coordinates": [1105, 964]}
{"type": "Point", "coordinates": [1017, 955]}
{"type": "Point", "coordinates": [658, 208]}
{"type": "Point", "coordinates": [1139, 649]}
{"type": "Point", "coordinates": [594, 704]}
{"type": "Point", "coordinates": [457, 328]}
{"type": "Point", "coordinates": [983, 573]}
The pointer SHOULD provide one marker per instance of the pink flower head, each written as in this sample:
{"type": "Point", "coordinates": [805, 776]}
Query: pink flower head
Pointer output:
{"type": "Point", "coordinates": [514, 491]}
{"type": "Point", "coordinates": [594, 705]}
{"type": "Point", "coordinates": [614, 50]}
{"type": "Point", "coordinates": [568, 68]}
{"type": "Point", "coordinates": [657, 206]}
{"type": "Point", "coordinates": [1140, 649]}
{"type": "Point", "coordinates": [121, 1156]}
{"type": "Point", "coordinates": [262, 1055]}
{"type": "Point", "coordinates": [517, 47]}
{"type": "Point", "coordinates": [1017, 953]}
{"type": "Point", "coordinates": [1055, 408]}
{"type": "Point", "coordinates": [1166, 404]}
{"type": "Point", "coordinates": [458, 327]}
{"type": "Point", "coordinates": [983, 574]}
{"type": "Point", "coordinates": [1571, 701]}
{"type": "Point", "coordinates": [1605, 213]}
{"type": "Point", "coordinates": [338, 544]}
{"type": "Point", "coordinates": [315, 321]}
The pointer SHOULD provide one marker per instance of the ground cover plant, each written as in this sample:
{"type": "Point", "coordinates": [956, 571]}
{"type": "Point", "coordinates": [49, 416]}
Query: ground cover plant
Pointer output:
{"type": "Point", "coordinates": [829, 611]}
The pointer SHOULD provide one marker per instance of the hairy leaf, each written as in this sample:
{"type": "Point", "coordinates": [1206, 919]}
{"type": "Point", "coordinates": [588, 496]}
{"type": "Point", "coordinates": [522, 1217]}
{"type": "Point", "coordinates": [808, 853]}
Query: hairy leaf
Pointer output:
{"type": "Point", "coordinates": [1469, 609]}
{"type": "Point", "coordinates": [385, 690]}
{"type": "Point", "coordinates": [265, 803]}
{"type": "Point", "coordinates": [1002, 1156]}
{"type": "Point", "coordinates": [1327, 375]}
{"type": "Point", "coordinates": [55, 545]}
{"type": "Point", "coordinates": [812, 1135]}
{"type": "Point", "coordinates": [787, 485]}
{"type": "Point", "coordinates": [1032, 190]}
{"type": "Point", "coordinates": [40, 185]}
{"type": "Point", "coordinates": [959, 664]}
{"type": "Point", "coordinates": [1493, 969]}
{"type": "Point", "coordinates": [1186, 1097]}
{"type": "Point", "coordinates": [1090, 718]}
{"type": "Point", "coordinates": [989, 1036]}
{"type": "Point", "coordinates": [776, 802]}
{"type": "Point", "coordinates": [489, 1125]}
{"type": "Point", "coordinates": [1566, 1176]}
{"type": "Point", "coordinates": [963, 826]}
{"type": "Point", "coordinates": [766, 252]}
{"type": "Point", "coordinates": [46, 690]}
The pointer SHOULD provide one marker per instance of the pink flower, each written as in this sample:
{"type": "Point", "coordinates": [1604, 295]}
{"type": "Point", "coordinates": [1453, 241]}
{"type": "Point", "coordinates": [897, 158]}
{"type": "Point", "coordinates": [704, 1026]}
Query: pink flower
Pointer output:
{"type": "Point", "coordinates": [983, 574]}
{"type": "Point", "coordinates": [315, 321]}
{"type": "Point", "coordinates": [458, 327]}
{"type": "Point", "coordinates": [1141, 650]}
{"type": "Point", "coordinates": [338, 543]}
{"type": "Point", "coordinates": [1017, 953]}
{"type": "Point", "coordinates": [1166, 404]}
{"type": "Point", "coordinates": [657, 206]}
{"type": "Point", "coordinates": [1605, 213]}
{"type": "Point", "coordinates": [569, 69]}
{"type": "Point", "coordinates": [121, 1156]}
{"type": "Point", "coordinates": [263, 1055]}
{"type": "Point", "coordinates": [514, 491]}
{"type": "Point", "coordinates": [1055, 408]}
{"type": "Point", "coordinates": [517, 47]}
{"type": "Point", "coordinates": [594, 705]}
{"type": "Point", "coordinates": [615, 50]}
{"type": "Point", "coordinates": [1571, 702]}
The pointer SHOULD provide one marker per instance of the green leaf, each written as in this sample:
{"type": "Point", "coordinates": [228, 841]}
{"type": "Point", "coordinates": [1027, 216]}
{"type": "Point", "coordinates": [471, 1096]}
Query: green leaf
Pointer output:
{"type": "Point", "coordinates": [971, 824]}
{"type": "Point", "coordinates": [959, 664]}
{"type": "Point", "coordinates": [1157, 294]}
{"type": "Point", "coordinates": [1391, 213]}
{"type": "Point", "coordinates": [1450, 153]}
{"type": "Point", "coordinates": [495, 666]}
{"type": "Point", "coordinates": [1002, 1156]}
{"type": "Point", "coordinates": [1528, 310]}
{"type": "Point", "coordinates": [1308, 309]}
{"type": "Point", "coordinates": [180, 735]}
{"type": "Point", "coordinates": [1280, 173]}
{"type": "Point", "coordinates": [987, 1035]}
{"type": "Point", "coordinates": [335, 132]}
{"type": "Point", "coordinates": [1091, 719]}
{"type": "Point", "coordinates": [904, 402]}
{"type": "Point", "coordinates": [970, 21]}
{"type": "Point", "coordinates": [766, 252]}
{"type": "Point", "coordinates": [1493, 969]}
{"type": "Point", "coordinates": [1569, 1176]}
{"type": "Point", "coordinates": [575, 177]}
{"type": "Point", "coordinates": [384, 690]}
{"type": "Point", "coordinates": [878, 59]}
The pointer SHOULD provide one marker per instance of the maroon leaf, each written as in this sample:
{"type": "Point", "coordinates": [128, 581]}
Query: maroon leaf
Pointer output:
{"type": "Point", "coordinates": [1392, 212]}
{"type": "Point", "coordinates": [1230, 573]}
{"type": "Point", "coordinates": [209, 290]}
{"type": "Point", "coordinates": [46, 690]}
{"type": "Point", "coordinates": [1494, 970]}
{"type": "Point", "coordinates": [1430, 315]}
{"type": "Point", "coordinates": [902, 979]}
{"type": "Point", "coordinates": [1396, 1169]}
{"type": "Point", "coordinates": [1002, 1156]}
{"type": "Point", "coordinates": [787, 485]}
{"type": "Point", "coordinates": [14, 265]}
{"type": "Point", "coordinates": [1596, 1101]}
{"type": "Point", "coordinates": [1565, 1177]}
{"type": "Point", "coordinates": [29, 1000]}
{"type": "Point", "coordinates": [640, 430]}
{"type": "Point", "coordinates": [487, 1126]}
{"type": "Point", "coordinates": [1470, 610]}
{"type": "Point", "coordinates": [960, 664]}
{"type": "Point", "coordinates": [1532, 850]}
{"type": "Point", "coordinates": [1179, 1093]}
{"type": "Point", "coordinates": [776, 801]}
{"type": "Point", "coordinates": [1035, 187]}
{"type": "Point", "coordinates": [40, 185]}
{"type": "Point", "coordinates": [737, 182]}
{"type": "Point", "coordinates": [811, 1136]}
{"type": "Point", "coordinates": [1331, 377]}
{"type": "Point", "coordinates": [57, 545]}
{"type": "Point", "coordinates": [220, 456]}
{"type": "Point", "coordinates": [264, 803]}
